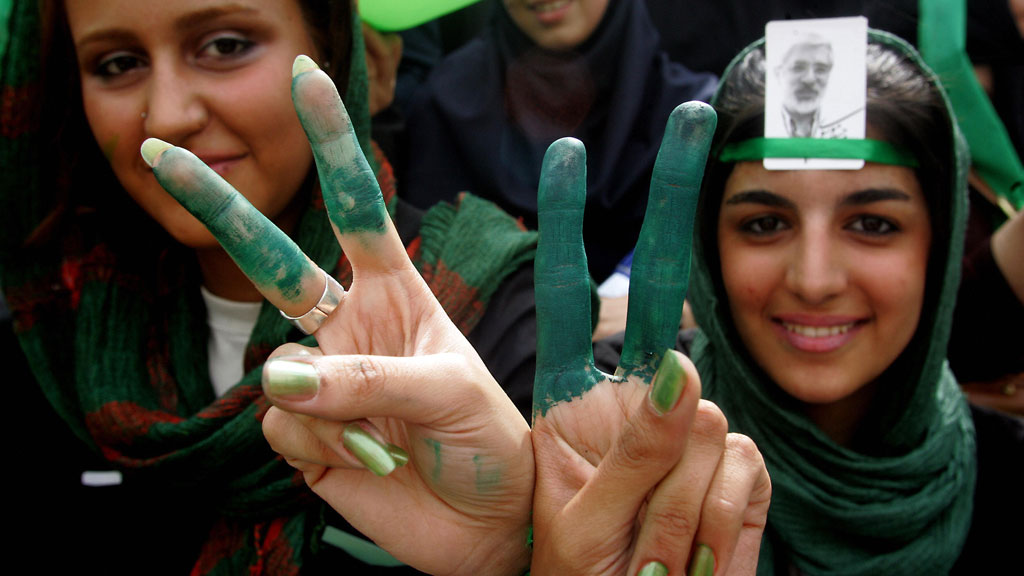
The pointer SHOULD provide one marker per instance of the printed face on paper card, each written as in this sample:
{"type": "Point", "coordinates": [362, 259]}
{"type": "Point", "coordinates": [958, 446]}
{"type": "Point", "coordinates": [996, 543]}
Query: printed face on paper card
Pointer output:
{"type": "Point", "coordinates": [815, 86]}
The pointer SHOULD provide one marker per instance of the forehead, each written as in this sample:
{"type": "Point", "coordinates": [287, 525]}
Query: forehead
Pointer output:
{"type": "Point", "coordinates": [85, 16]}
{"type": "Point", "coordinates": [808, 52]}
{"type": "Point", "coordinates": [807, 187]}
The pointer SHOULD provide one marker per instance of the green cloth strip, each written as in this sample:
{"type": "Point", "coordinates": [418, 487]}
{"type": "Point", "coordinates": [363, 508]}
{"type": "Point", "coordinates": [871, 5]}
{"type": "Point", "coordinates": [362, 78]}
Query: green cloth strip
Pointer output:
{"type": "Point", "coordinates": [870, 150]}
{"type": "Point", "coordinates": [942, 39]}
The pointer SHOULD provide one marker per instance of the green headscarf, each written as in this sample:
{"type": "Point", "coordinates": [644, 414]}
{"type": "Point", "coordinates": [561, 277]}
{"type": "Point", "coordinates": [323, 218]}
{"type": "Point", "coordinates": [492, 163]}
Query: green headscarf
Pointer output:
{"type": "Point", "coordinates": [107, 309]}
{"type": "Point", "coordinates": [903, 500]}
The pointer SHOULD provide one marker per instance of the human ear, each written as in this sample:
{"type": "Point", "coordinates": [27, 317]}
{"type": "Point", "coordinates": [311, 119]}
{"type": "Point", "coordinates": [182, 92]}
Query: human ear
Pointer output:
{"type": "Point", "coordinates": [383, 53]}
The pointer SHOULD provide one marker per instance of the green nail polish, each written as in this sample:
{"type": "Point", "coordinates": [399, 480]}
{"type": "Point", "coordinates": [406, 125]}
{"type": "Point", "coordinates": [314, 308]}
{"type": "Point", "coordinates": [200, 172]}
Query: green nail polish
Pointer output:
{"type": "Point", "coordinates": [653, 569]}
{"type": "Point", "coordinates": [400, 456]}
{"type": "Point", "coordinates": [703, 563]}
{"type": "Point", "coordinates": [152, 148]}
{"type": "Point", "coordinates": [668, 384]}
{"type": "Point", "coordinates": [374, 455]}
{"type": "Point", "coordinates": [303, 64]}
{"type": "Point", "coordinates": [290, 380]}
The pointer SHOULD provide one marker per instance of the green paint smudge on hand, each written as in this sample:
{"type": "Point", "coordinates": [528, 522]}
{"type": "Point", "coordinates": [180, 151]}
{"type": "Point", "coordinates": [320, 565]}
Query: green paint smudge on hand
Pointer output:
{"type": "Point", "coordinates": [488, 475]}
{"type": "Point", "coordinates": [661, 262]}
{"type": "Point", "coordinates": [435, 474]}
{"type": "Point", "coordinates": [262, 251]}
{"type": "Point", "coordinates": [349, 185]}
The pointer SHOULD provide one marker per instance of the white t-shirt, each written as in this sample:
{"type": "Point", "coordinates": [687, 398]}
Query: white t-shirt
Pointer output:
{"type": "Point", "coordinates": [231, 324]}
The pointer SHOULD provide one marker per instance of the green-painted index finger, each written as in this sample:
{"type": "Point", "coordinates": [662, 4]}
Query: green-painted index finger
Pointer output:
{"type": "Point", "coordinates": [565, 357]}
{"type": "Point", "coordinates": [351, 193]}
{"type": "Point", "coordinates": [276, 265]}
{"type": "Point", "coordinates": [661, 261]}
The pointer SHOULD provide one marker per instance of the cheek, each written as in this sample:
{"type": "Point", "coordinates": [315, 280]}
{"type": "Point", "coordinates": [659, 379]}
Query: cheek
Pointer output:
{"type": "Point", "coordinates": [748, 278]}
{"type": "Point", "coordinates": [111, 123]}
{"type": "Point", "coordinates": [896, 285]}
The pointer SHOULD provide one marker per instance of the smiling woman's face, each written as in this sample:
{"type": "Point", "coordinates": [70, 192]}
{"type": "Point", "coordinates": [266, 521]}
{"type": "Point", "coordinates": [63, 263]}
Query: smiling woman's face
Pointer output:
{"type": "Point", "coordinates": [212, 76]}
{"type": "Point", "coordinates": [824, 272]}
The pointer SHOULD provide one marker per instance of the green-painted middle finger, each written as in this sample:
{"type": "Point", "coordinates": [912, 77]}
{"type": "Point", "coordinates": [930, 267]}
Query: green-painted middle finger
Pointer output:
{"type": "Point", "coordinates": [661, 261]}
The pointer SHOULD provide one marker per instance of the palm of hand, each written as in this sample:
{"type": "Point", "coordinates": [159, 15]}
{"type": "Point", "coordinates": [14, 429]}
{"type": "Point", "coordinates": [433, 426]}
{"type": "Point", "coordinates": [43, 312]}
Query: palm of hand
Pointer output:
{"type": "Point", "coordinates": [567, 456]}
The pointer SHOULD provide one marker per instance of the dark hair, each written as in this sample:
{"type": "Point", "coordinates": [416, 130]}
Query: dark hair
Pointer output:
{"type": "Point", "coordinates": [79, 178]}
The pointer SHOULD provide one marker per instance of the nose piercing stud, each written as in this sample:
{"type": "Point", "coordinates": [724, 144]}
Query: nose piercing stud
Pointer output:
{"type": "Point", "coordinates": [144, 115]}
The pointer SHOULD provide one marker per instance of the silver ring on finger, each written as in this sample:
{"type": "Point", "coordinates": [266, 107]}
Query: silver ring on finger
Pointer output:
{"type": "Point", "coordinates": [329, 300]}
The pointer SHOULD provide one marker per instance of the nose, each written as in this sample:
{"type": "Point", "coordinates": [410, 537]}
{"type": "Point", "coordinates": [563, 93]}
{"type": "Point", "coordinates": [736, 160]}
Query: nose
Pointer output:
{"type": "Point", "coordinates": [817, 268]}
{"type": "Point", "coordinates": [175, 107]}
{"type": "Point", "coordinates": [809, 77]}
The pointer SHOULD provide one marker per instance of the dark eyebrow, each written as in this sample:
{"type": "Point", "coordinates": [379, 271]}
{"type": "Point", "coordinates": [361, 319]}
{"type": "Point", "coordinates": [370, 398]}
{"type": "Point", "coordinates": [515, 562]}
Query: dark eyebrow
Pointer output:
{"type": "Point", "coordinates": [871, 195]}
{"type": "Point", "coordinates": [184, 23]}
{"type": "Point", "coordinates": [196, 18]}
{"type": "Point", "coordinates": [763, 197]}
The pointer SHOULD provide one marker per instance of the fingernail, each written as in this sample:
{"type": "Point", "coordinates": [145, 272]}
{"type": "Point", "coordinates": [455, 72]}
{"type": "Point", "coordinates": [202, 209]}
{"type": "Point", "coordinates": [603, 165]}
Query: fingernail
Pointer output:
{"type": "Point", "coordinates": [703, 563]}
{"type": "Point", "coordinates": [372, 453]}
{"type": "Point", "coordinates": [400, 456]}
{"type": "Point", "coordinates": [668, 384]}
{"type": "Point", "coordinates": [303, 64]}
{"type": "Point", "coordinates": [290, 380]}
{"type": "Point", "coordinates": [653, 569]}
{"type": "Point", "coordinates": [152, 148]}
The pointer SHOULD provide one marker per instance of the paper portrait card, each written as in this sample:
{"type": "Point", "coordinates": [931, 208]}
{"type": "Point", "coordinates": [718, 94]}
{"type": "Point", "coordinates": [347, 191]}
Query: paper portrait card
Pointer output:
{"type": "Point", "coordinates": [815, 86]}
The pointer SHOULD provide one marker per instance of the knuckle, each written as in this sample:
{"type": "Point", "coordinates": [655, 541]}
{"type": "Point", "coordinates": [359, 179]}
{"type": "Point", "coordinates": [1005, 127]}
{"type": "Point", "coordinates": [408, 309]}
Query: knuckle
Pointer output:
{"type": "Point", "coordinates": [726, 505]}
{"type": "Point", "coordinates": [360, 378]}
{"type": "Point", "coordinates": [633, 450]}
{"type": "Point", "coordinates": [744, 448]}
{"type": "Point", "coordinates": [710, 423]}
{"type": "Point", "coordinates": [672, 525]}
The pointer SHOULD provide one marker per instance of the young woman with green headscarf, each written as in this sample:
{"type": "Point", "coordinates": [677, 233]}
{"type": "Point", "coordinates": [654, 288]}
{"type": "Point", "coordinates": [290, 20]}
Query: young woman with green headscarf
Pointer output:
{"type": "Point", "coordinates": [824, 301]}
{"type": "Point", "coordinates": [128, 310]}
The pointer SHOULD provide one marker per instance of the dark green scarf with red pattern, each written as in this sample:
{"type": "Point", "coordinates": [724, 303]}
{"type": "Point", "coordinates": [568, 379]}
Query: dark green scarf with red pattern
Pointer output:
{"type": "Point", "coordinates": [108, 312]}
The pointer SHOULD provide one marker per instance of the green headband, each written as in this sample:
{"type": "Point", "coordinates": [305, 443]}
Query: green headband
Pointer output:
{"type": "Point", "coordinates": [832, 148]}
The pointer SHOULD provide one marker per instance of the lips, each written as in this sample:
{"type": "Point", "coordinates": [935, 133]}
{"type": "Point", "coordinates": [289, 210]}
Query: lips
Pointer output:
{"type": "Point", "coordinates": [221, 163]}
{"type": "Point", "coordinates": [551, 11]}
{"type": "Point", "coordinates": [817, 334]}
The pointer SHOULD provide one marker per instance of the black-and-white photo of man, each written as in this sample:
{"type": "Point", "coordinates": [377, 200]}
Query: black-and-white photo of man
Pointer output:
{"type": "Point", "coordinates": [803, 77]}
{"type": "Point", "coordinates": [815, 89]}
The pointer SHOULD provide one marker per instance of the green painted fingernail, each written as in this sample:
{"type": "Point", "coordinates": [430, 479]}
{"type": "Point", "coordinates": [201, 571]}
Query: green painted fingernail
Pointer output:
{"type": "Point", "coordinates": [653, 569]}
{"type": "Point", "coordinates": [290, 380]}
{"type": "Point", "coordinates": [703, 562]}
{"type": "Point", "coordinates": [400, 456]}
{"type": "Point", "coordinates": [372, 453]}
{"type": "Point", "coordinates": [668, 384]}
{"type": "Point", "coordinates": [152, 148]}
{"type": "Point", "coordinates": [303, 64]}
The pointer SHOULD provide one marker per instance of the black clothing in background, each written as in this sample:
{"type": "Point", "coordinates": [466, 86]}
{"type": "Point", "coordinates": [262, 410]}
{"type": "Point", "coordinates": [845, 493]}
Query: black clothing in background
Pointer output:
{"type": "Point", "coordinates": [488, 112]}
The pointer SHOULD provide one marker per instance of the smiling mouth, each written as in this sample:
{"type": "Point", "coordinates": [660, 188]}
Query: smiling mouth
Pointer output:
{"type": "Point", "coordinates": [818, 331]}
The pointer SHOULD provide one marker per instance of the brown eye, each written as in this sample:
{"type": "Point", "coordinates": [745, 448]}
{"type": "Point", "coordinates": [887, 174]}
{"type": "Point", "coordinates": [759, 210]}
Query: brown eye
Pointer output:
{"type": "Point", "coordinates": [873, 225]}
{"type": "Point", "coordinates": [117, 65]}
{"type": "Point", "coordinates": [225, 47]}
{"type": "Point", "coordinates": [764, 225]}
